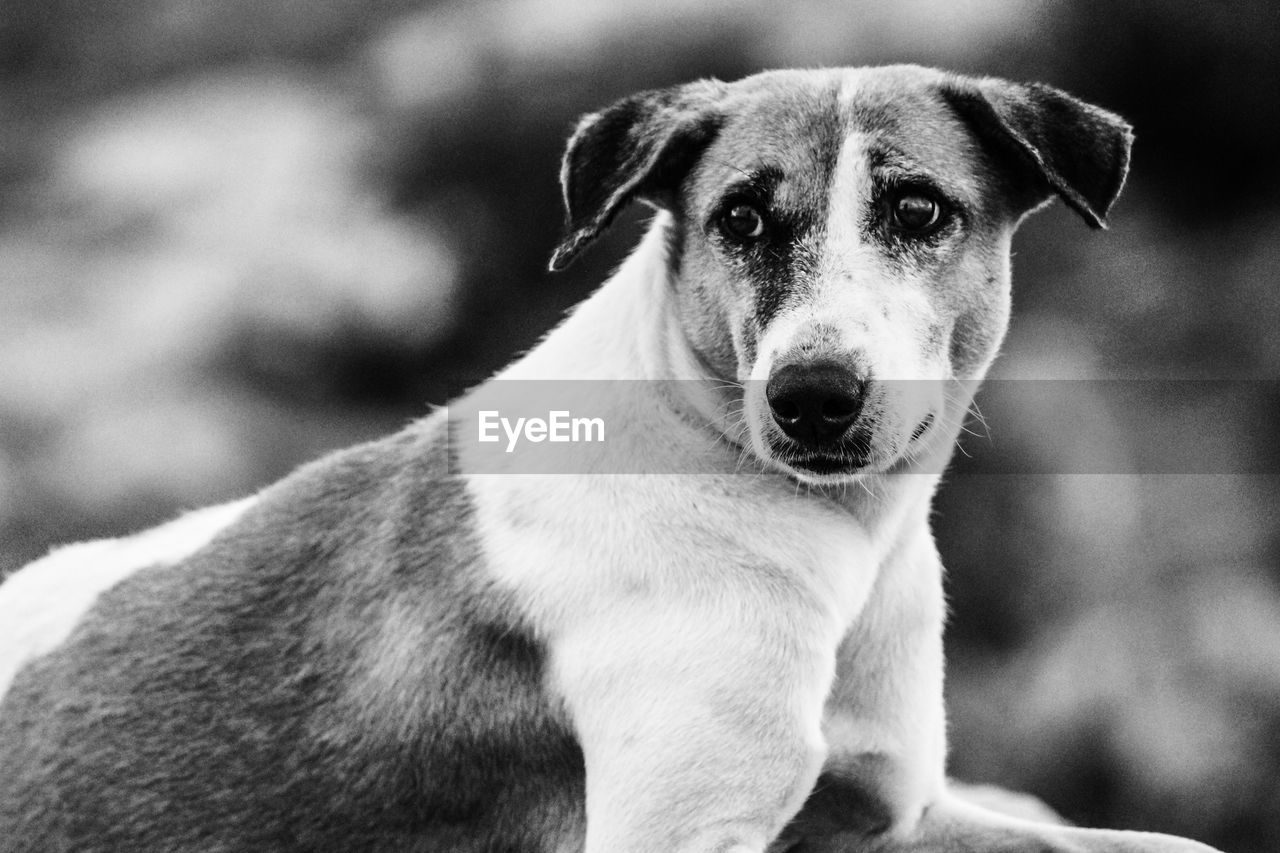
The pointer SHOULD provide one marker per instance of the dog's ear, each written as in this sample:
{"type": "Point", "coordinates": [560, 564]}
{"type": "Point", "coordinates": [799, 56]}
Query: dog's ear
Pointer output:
{"type": "Point", "coordinates": [642, 146]}
{"type": "Point", "coordinates": [1054, 142]}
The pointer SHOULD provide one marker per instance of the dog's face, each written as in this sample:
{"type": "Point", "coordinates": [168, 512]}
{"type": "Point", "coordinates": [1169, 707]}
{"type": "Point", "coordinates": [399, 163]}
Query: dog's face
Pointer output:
{"type": "Point", "coordinates": [841, 239]}
{"type": "Point", "coordinates": [847, 239]}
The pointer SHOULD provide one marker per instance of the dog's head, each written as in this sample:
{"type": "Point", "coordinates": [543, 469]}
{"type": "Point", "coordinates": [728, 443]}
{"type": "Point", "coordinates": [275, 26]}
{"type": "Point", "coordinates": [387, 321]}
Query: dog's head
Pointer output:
{"type": "Point", "coordinates": [839, 242]}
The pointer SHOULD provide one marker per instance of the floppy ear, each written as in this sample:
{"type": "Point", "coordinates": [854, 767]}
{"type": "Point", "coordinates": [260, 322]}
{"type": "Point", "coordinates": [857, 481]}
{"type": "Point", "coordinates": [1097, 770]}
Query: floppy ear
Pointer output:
{"type": "Point", "coordinates": [1055, 143]}
{"type": "Point", "coordinates": [642, 146]}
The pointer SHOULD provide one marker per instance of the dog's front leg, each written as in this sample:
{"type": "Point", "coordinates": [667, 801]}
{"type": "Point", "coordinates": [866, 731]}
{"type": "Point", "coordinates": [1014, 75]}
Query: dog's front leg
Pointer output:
{"type": "Point", "coordinates": [700, 725]}
{"type": "Point", "coordinates": [882, 789]}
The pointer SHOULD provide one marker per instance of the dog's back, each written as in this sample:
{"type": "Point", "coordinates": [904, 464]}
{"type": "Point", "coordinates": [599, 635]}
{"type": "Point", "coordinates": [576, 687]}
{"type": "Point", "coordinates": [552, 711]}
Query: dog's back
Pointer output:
{"type": "Point", "coordinates": [294, 685]}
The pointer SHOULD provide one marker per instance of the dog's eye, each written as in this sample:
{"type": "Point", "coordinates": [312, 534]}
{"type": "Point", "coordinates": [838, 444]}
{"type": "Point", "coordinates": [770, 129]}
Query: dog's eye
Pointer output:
{"type": "Point", "coordinates": [743, 222]}
{"type": "Point", "coordinates": [914, 211]}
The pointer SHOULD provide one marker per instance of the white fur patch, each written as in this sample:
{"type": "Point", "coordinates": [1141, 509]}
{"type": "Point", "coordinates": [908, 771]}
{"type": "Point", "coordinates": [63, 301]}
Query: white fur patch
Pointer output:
{"type": "Point", "coordinates": [42, 603]}
{"type": "Point", "coordinates": [671, 599]}
{"type": "Point", "coordinates": [641, 605]}
{"type": "Point", "coordinates": [881, 312]}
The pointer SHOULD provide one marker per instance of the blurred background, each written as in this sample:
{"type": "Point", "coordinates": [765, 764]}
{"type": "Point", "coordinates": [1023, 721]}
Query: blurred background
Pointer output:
{"type": "Point", "coordinates": [234, 235]}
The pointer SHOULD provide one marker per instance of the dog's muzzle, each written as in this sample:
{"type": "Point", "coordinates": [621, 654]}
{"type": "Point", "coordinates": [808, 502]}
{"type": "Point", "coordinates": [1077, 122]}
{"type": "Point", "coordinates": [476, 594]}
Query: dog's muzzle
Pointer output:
{"type": "Point", "coordinates": [816, 403]}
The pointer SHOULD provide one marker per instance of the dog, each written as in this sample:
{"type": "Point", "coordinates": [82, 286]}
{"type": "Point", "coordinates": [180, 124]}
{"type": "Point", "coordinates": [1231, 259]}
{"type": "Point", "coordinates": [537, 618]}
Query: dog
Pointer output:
{"type": "Point", "coordinates": [417, 645]}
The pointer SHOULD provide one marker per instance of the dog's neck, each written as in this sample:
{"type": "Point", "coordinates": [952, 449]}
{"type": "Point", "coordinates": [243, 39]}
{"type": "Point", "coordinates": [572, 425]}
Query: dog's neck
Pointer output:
{"type": "Point", "coordinates": [628, 326]}
{"type": "Point", "coordinates": [631, 330]}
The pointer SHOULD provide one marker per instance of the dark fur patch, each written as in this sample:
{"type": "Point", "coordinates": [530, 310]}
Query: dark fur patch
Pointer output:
{"type": "Point", "coordinates": [228, 703]}
{"type": "Point", "coordinates": [783, 267]}
{"type": "Point", "coordinates": [786, 167]}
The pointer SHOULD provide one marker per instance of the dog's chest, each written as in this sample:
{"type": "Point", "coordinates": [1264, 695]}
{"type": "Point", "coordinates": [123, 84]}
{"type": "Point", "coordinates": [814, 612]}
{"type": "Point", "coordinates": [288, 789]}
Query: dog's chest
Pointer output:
{"type": "Point", "coordinates": [570, 547]}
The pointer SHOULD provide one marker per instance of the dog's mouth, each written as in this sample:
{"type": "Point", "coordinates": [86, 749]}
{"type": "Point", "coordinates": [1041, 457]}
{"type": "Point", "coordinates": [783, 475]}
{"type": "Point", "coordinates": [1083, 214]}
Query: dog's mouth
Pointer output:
{"type": "Point", "coordinates": [851, 456]}
{"type": "Point", "coordinates": [825, 466]}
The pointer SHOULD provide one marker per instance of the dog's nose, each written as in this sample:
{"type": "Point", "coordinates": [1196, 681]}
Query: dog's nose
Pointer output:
{"type": "Point", "coordinates": [815, 403]}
